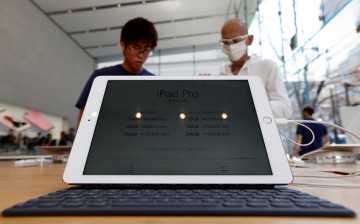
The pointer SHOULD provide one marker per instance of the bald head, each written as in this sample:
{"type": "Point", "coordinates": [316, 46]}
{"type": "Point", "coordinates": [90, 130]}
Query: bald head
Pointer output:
{"type": "Point", "coordinates": [232, 28]}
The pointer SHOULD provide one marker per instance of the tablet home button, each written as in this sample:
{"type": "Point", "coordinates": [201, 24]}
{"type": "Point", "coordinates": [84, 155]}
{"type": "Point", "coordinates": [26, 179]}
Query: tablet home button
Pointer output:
{"type": "Point", "coordinates": [267, 120]}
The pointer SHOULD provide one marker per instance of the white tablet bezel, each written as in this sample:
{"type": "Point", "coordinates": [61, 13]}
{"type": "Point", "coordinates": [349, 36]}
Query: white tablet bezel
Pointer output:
{"type": "Point", "coordinates": [73, 173]}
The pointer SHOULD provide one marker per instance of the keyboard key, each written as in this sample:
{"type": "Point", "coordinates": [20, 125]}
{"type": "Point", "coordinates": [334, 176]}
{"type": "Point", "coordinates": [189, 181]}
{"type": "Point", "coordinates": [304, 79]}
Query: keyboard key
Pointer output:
{"type": "Point", "coordinates": [330, 205]}
{"type": "Point", "coordinates": [233, 204]}
{"type": "Point", "coordinates": [185, 205]}
{"type": "Point", "coordinates": [235, 200]}
{"type": "Point", "coordinates": [25, 205]}
{"type": "Point", "coordinates": [73, 204]}
{"type": "Point", "coordinates": [49, 204]}
{"type": "Point", "coordinates": [258, 204]}
{"type": "Point", "coordinates": [307, 204]}
{"type": "Point", "coordinates": [167, 200]}
{"type": "Point", "coordinates": [282, 204]}
{"type": "Point", "coordinates": [97, 204]}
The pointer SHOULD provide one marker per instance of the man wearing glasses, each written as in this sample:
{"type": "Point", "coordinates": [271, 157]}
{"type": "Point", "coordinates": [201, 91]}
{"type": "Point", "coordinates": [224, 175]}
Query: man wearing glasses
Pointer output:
{"type": "Point", "coordinates": [137, 41]}
{"type": "Point", "coordinates": [235, 41]}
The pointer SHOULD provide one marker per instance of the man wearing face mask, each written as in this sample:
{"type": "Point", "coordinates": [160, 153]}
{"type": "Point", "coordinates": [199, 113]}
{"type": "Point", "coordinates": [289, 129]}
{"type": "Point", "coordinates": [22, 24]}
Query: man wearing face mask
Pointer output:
{"type": "Point", "coordinates": [235, 41]}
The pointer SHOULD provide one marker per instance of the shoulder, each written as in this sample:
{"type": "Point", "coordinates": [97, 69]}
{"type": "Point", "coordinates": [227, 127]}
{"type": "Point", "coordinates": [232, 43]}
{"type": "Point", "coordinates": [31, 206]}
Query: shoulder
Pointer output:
{"type": "Point", "coordinates": [324, 127]}
{"type": "Point", "coordinates": [266, 68]}
{"type": "Point", "coordinates": [269, 63]}
{"type": "Point", "coordinates": [266, 63]}
{"type": "Point", "coordinates": [111, 70]}
{"type": "Point", "coordinates": [145, 72]}
{"type": "Point", "coordinates": [299, 129]}
{"type": "Point", "coordinates": [119, 70]}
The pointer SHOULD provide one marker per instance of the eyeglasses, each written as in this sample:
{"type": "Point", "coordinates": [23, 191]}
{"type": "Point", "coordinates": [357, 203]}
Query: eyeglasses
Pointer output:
{"type": "Point", "coordinates": [137, 50]}
{"type": "Point", "coordinates": [234, 40]}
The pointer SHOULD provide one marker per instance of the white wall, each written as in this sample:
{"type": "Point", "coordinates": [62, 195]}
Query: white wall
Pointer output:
{"type": "Point", "coordinates": [40, 66]}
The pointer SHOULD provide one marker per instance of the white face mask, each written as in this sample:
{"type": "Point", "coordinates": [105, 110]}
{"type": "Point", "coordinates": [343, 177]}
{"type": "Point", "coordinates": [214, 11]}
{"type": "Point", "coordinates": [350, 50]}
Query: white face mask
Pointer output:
{"type": "Point", "coordinates": [235, 51]}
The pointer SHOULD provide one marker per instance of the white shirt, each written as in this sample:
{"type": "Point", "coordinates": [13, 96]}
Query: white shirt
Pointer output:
{"type": "Point", "coordinates": [269, 73]}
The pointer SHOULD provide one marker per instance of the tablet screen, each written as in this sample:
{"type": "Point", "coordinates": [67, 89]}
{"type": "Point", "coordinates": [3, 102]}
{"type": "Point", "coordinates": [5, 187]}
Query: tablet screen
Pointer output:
{"type": "Point", "coordinates": [177, 127]}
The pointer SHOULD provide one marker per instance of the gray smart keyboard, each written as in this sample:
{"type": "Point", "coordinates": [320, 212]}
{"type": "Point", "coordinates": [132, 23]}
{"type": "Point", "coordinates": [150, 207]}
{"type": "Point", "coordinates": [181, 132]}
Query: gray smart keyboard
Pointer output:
{"type": "Point", "coordinates": [181, 201]}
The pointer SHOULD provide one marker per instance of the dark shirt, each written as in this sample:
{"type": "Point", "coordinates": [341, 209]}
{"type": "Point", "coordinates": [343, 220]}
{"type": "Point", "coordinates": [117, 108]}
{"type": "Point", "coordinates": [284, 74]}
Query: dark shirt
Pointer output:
{"type": "Point", "coordinates": [319, 130]}
{"type": "Point", "coordinates": [62, 142]}
{"type": "Point", "coordinates": [108, 71]}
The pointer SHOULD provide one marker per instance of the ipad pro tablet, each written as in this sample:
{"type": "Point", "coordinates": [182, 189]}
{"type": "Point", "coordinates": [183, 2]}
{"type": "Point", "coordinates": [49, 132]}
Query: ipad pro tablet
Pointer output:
{"type": "Point", "coordinates": [177, 130]}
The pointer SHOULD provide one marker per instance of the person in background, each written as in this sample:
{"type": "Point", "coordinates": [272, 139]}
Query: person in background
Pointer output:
{"type": "Point", "coordinates": [38, 139]}
{"type": "Point", "coordinates": [303, 135]}
{"type": "Point", "coordinates": [63, 140]}
{"type": "Point", "coordinates": [70, 136]}
{"type": "Point", "coordinates": [49, 140]}
{"type": "Point", "coordinates": [235, 41]}
{"type": "Point", "coordinates": [137, 41]}
{"type": "Point", "coordinates": [10, 138]}
{"type": "Point", "coordinates": [8, 142]}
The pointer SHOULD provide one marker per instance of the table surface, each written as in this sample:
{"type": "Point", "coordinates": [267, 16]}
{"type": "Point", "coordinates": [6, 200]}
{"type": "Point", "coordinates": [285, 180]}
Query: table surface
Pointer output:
{"type": "Point", "coordinates": [19, 184]}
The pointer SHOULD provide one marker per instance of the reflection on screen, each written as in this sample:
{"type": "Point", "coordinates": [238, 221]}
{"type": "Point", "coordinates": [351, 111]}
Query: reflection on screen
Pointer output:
{"type": "Point", "coordinates": [198, 127]}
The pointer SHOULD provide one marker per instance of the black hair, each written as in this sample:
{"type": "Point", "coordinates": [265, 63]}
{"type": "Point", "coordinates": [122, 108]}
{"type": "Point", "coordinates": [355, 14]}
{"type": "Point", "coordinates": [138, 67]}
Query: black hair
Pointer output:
{"type": "Point", "coordinates": [138, 29]}
{"type": "Point", "coordinates": [308, 109]}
